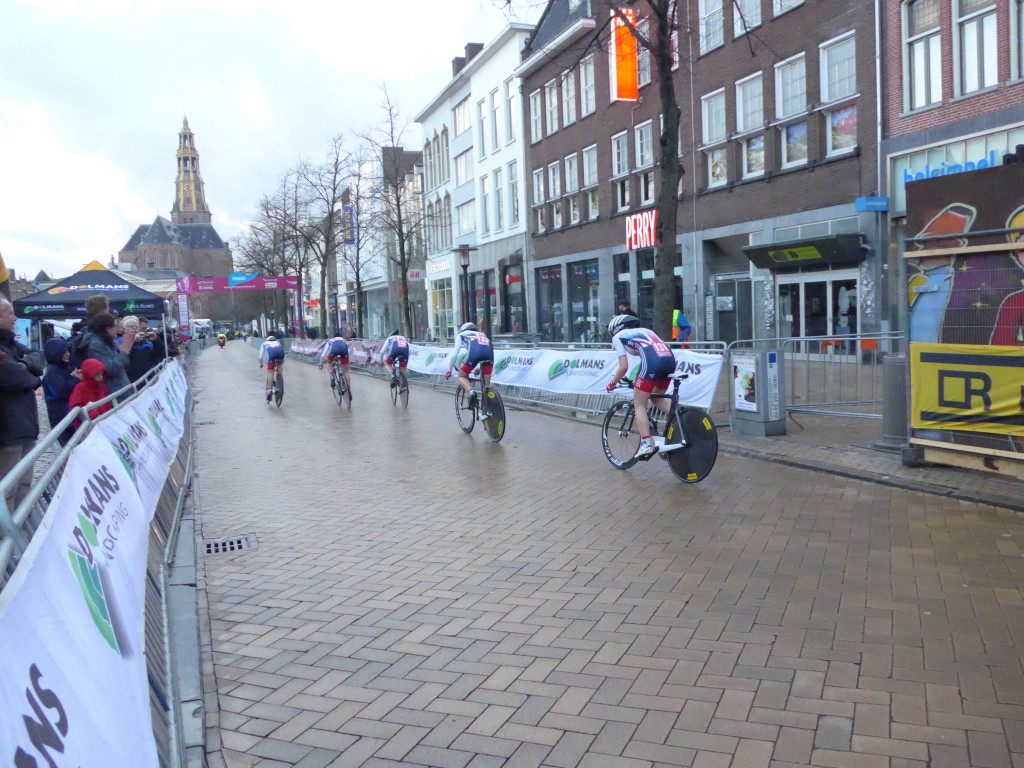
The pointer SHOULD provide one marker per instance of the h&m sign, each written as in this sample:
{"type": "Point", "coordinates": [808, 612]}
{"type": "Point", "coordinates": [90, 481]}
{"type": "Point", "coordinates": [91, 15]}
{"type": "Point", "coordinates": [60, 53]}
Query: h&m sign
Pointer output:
{"type": "Point", "coordinates": [640, 229]}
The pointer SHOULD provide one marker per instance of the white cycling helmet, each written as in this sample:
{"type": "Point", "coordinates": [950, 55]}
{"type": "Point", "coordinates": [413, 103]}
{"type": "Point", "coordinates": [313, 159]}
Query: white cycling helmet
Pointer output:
{"type": "Point", "coordinates": [271, 338]}
{"type": "Point", "coordinates": [468, 327]}
{"type": "Point", "coordinates": [622, 321]}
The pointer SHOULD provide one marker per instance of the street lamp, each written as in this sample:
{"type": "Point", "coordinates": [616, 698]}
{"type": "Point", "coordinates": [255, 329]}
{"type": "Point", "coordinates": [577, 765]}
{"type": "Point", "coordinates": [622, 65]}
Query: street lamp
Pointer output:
{"type": "Point", "coordinates": [463, 252]}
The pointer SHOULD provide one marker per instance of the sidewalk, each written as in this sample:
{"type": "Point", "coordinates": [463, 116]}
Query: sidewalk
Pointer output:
{"type": "Point", "coordinates": [419, 597]}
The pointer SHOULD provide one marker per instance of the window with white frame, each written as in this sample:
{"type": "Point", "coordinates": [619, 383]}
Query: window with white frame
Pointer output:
{"type": "Point", "coordinates": [643, 141]}
{"type": "Point", "coordinates": [790, 87]}
{"type": "Point", "coordinates": [460, 117]}
{"type": "Point", "coordinates": [554, 180]}
{"type": "Point", "coordinates": [556, 214]}
{"type": "Point", "coordinates": [538, 186]}
{"type": "Point", "coordinates": [746, 14]}
{"type": "Point", "coordinates": [445, 171]}
{"type": "Point", "coordinates": [646, 181]}
{"type": "Point", "coordinates": [572, 173]}
{"type": "Point", "coordinates": [574, 209]}
{"type": "Point", "coordinates": [509, 91]}
{"type": "Point", "coordinates": [978, 50]}
{"type": "Point", "coordinates": [590, 166]}
{"type": "Point", "coordinates": [1017, 26]}
{"type": "Point", "coordinates": [712, 32]}
{"type": "Point", "coordinates": [781, 6]}
{"type": "Point", "coordinates": [794, 144]}
{"type": "Point", "coordinates": [923, 56]}
{"type": "Point", "coordinates": [465, 218]}
{"type": "Point", "coordinates": [713, 116]}
{"type": "Point", "coordinates": [463, 167]}
{"type": "Point", "coordinates": [673, 42]}
{"type": "Point", "coordinates": [620, 154]}
{"type": "Point", "coordinates": [551, 103]}
{"type": "Point", "coordinates": [838, 69]}
{"type": "Point", "coordinates": [536, 117]}
{"type": "Point", "coordinates": [513, 192]}
{"type": "Point", "coordinates": [540, 218]}
{"type": "Point", "coordinates": [753, 156]}
{"type": "Point", "coordinates": [718, 167]}
{"type": "Point", "coordinates": [749, 104]}
{"type": "Point", "coordinates": [841, 130]}
{"type": "Point", "coordinates": [643, 56]}
{"type": "Point", "coordinates": [481, 128]}
{"type": "Point", "coordinates": [621, 191]}
{"type": "Point", "coordinates": [569, 98]}
{"type": "Point", "coordinates": [588, 101]}
{"type": "Point", "coordinates": [485, 204]}
{"type": "Point", "coordinates": [495, 118]}
{"type": "Point", "coordinates": [499, 201]}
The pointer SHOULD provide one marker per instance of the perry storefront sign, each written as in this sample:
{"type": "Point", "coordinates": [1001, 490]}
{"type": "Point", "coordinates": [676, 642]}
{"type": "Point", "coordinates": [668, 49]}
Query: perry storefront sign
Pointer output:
{"type": "Point", "coordinates": [73, 678]}
{"type": "Point", "coordinates": [553, 370]}
{"type": "Point", "coordinates": [967, 387]}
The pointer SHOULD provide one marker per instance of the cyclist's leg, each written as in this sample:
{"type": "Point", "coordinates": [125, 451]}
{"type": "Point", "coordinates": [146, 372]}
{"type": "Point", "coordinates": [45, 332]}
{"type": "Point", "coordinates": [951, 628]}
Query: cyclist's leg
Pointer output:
{"type": "Point", "coordinates": [344, 372]}
{"type": "Point", "coordinates": [464, 379]}
{"type": "Point", "coordinates": [641, 400]}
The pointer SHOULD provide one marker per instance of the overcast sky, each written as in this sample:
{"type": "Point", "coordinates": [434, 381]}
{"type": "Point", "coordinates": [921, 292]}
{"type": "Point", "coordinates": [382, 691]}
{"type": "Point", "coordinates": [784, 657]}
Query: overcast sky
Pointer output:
{"type": "Point", "coordinates": [92, 96]}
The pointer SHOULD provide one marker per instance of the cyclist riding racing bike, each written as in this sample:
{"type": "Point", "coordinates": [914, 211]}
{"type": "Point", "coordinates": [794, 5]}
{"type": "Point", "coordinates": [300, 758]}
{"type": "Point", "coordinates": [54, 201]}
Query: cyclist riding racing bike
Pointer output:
{"type": "Point", "coordinates": [657, 363]}
{"type": "Point", "coordinates": [272, 351]}
{"type": "Point", "coordinates": [337, 348]}
{"type": "Point", "coordinates": [479, 352]}
{"type": "Point", "coordinates": [222, 340]}
{"type": "Point", "coordinates": [394, 349]}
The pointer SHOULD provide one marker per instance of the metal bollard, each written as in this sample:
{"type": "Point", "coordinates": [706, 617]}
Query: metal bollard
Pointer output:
{"type": "Point", "coordinates": [895, 406]}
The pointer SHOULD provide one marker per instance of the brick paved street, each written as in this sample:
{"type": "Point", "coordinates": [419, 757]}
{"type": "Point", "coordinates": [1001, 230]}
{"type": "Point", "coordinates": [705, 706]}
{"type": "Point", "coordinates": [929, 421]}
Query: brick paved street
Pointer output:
{"type": "Point", "coordinates": [423, 598]}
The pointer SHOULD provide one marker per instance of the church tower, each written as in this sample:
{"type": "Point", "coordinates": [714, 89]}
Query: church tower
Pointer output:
{"type": "Point", "coordinates": [189, 199]}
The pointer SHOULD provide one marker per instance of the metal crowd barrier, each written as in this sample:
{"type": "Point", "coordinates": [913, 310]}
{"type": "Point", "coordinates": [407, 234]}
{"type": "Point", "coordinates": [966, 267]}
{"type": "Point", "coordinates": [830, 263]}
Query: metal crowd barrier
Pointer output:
{"type": "Point", "coordinates": [839, 375]}
{"type": "Point", "coordinates": [18, 527]}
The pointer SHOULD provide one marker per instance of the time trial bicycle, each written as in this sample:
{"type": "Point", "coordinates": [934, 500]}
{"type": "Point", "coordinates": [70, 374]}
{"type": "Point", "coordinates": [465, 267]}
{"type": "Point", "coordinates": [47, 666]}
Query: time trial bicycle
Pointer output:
{"type": "Point", "coordinates": [399, 386]}
{"type": "Point", "coordinates": [483, 403]}
{"type": "Point", "coordinates": [685, 436]}
{"type": "Point", "coordinates": [339, 387]}
{"type": "Point", "coordinates": [278, 386]}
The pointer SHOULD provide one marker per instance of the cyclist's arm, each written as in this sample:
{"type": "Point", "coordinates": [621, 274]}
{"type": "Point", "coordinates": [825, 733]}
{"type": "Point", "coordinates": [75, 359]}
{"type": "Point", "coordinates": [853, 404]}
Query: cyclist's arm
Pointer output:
{"type": "Point", "coordinates": [459, 341]}
{"type": "Point", "coordinates": [385, 348]}
{"type": "Point", "coordinates": [327, 349]}
{"type": "Point", "coordinates": [263, 352]}
{"type": "Point", "coordinates": [620, 371]}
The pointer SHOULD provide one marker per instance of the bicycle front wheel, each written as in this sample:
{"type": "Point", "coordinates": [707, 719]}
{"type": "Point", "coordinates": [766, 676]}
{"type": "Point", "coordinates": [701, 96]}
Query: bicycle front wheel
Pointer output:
{"type": "Point", "coordinates": [279, 390]}
{"type": "Point", "coordinates": [465, 414]}
{"type": "Point", "coordinates": [694, 462]}
{"type": "Point", "coordinates": [494, 422]}
{"type": "Point", "coordinates": [403, 389]}
{"type": "Point", "coordinates": [619, 435]}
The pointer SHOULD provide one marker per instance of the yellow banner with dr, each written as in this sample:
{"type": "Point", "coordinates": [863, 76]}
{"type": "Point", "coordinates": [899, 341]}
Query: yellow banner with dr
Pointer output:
{"type": "Point", "coordinates": [969, 387]}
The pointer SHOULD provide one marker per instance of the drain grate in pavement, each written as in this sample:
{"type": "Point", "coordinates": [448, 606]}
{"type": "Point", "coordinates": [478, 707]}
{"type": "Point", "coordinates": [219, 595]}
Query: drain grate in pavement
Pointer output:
{"type": "Point", "coordinates": [201, 423]}
{"type": "Point", "coordinates": [229, 544]}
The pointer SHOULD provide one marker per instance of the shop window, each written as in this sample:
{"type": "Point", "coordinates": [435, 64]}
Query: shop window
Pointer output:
{"type": "Point", "coordinates": [645, 286]}
{"type": "Point", "coordinates": [584, 316]}
{"type": "Point", "coordinates": [550, 314]}
{"type": "Point", "coordinates": [513, 300]}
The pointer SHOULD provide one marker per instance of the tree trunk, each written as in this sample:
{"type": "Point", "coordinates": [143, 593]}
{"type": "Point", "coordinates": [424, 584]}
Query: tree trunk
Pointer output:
{"type": "Point", "coordinates": [323, 303]}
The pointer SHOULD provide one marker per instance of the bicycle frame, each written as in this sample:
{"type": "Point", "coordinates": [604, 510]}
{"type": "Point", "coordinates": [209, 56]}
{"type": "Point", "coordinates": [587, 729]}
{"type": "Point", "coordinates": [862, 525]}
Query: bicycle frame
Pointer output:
{"type": "Point", "coordinates": [673, 409]}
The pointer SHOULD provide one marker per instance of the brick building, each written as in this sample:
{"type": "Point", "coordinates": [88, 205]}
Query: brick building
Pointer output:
{"type": "Point", "coordinates": [778, 141]}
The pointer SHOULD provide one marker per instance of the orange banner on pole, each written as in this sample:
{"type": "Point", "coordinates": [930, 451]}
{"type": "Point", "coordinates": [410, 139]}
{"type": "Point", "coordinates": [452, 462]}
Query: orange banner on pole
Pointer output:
{"type": "Point", "coordinates": [625, 80]}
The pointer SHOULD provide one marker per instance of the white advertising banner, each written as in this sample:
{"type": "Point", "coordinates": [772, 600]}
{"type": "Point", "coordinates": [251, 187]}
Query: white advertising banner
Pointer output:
{"type": "Point", "coordinates": [73, 676]}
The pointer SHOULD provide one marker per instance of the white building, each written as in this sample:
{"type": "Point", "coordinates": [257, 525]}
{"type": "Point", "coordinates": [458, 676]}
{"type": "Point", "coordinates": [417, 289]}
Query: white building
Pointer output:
{"type": "Point", "coordinates": [473, 191]}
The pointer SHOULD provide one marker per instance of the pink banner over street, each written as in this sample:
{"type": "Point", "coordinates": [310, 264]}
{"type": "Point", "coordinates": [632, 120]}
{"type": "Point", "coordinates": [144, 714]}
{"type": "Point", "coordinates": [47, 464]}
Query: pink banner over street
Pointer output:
{"type": "Point", "coordinates": [234, 283]}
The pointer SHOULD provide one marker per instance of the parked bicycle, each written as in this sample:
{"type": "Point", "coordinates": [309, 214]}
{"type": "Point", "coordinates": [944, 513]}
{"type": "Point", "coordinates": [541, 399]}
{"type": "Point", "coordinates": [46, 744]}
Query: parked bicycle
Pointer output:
{"type": "Point", "coordinates": [339, 387]}
{"type": "Point", "coordinates": [399, 386]}
{"type": "Point", "coordinates": [686, 436]}
{"type": "Point", "coordinates": [483, 403]}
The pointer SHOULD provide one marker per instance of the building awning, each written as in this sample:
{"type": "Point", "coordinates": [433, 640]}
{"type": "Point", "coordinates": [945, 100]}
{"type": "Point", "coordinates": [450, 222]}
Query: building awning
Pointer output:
{"type": "Point", "coordinates": [811, 251]}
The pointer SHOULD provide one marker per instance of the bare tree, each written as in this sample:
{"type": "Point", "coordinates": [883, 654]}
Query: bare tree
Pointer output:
{"type": "Point", "coordinates": [356, 255]}
{"type": "Point", "coordinates": [398, 216]}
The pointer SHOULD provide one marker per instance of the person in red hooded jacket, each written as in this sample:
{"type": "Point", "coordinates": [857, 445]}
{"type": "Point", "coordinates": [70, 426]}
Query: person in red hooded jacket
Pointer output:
{"type": "Point", "coordinates": [91, 388]}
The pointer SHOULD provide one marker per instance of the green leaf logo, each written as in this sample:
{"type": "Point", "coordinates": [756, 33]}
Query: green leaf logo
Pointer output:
{"type": "Point", "coordinates": [557, 369]}
{"type": "Point", "coordinates": [88, 577]}
{"type": "Point", "coordinates": [502, 364]}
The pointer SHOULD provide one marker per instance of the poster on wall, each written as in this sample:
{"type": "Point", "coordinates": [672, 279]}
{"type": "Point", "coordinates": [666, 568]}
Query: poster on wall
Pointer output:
{"type": "Point", "coordinates": [744, 375]}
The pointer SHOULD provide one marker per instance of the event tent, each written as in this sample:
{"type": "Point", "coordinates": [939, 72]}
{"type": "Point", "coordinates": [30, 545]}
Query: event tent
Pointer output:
{"type": "Point", "coordinates": [67, 298]}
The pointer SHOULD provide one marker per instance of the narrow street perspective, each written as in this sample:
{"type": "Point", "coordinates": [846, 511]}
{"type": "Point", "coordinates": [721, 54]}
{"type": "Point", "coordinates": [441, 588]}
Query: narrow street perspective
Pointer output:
{"type": "Point", "coordinates": [418, 597]}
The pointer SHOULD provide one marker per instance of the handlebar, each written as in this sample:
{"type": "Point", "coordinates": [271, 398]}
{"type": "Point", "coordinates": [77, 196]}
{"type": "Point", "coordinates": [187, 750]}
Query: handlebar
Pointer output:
{"type": "Point", "coordinates": [627, 383]}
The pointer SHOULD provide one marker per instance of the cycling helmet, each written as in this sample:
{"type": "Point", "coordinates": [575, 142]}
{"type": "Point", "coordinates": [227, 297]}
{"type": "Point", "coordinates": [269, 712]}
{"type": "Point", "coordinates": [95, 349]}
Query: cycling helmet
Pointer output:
{"type": "Point", "coordinates": [395, 332]}
{"type": "Point", "coordinates": [620, 322]}
{"type": "Point", "coordinates": [271, 338]}
{"type": "Point", "coordinates": [468, 327]}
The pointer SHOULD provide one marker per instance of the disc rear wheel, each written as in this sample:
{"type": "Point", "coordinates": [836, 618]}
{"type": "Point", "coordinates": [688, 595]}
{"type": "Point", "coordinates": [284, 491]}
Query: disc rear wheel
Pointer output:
{"type": "Point", "coordinates": [278, 390]}
{"type": "Point", "coordinates": [403, 389]}
{"type": "Point", "coordinates": [619, 435]}
{"type": "Point", "coordinates": [494, 423]}
{"type": "Point", "coordinates": [694, 462]}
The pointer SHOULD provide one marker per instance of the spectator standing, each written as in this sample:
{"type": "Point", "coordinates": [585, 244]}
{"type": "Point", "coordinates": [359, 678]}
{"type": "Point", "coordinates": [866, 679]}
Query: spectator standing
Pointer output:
{"type": "Point", "coordinates": [20, 371]}
{"type": "Point", "coordinates": [146, 353]}
{"type": "Point", "coordinates": [100, 341]}
{"type": "Point", "coordinates": [91, 389]}
{"type": "Point", "coordinates": [59, 381]}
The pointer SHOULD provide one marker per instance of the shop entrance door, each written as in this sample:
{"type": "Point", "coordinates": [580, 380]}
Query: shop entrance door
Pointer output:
{"type": "Point", "coordinates": [733, 309]}
{"type": "Point", "coordinates": [818, 304]}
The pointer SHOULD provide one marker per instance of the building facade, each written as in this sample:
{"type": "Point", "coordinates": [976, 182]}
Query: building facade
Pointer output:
{"type": "Point", "coordinates": [778, 142]}
{"type": "Point", "coordinates": [473, 193]}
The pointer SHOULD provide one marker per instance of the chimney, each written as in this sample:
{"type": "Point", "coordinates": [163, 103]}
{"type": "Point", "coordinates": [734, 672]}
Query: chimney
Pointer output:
{"type": "Point", "coordinates": [458, 63]}
{"type": "Point", "coordinates": [472, 49]}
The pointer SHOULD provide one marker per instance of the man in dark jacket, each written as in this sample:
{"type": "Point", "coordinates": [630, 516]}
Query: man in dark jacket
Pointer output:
{"type": "Point", "coordinates": [146, 353]}
{"type": "Point", "coordinates": [59, 380]}
{"type": "Point", "coordinates": [20, 369]}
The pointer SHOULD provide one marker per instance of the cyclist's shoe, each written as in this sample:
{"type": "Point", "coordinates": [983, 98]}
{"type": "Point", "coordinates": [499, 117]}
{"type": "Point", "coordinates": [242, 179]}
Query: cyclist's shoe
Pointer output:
{"type": "Point", "coordinates": [393, 383]}
{"type": "Point", "coordinates": [646, 450]}
{"type": "Point", "coordinates": [471, 402]}
{"type": "Point", "coordinates": [270, 394]}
